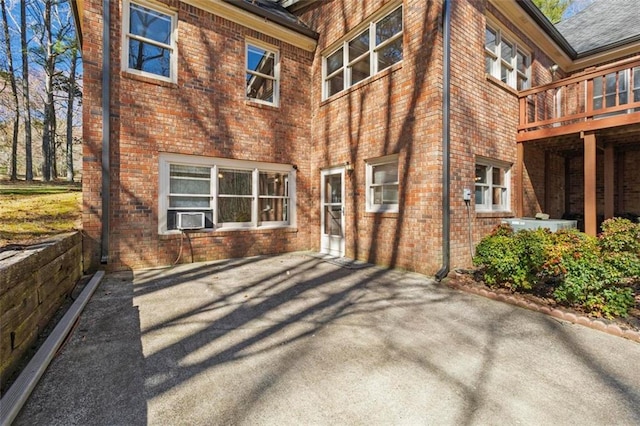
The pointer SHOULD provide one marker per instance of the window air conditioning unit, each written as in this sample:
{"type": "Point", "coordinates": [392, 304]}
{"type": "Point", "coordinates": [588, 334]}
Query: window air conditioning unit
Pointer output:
{"type": "Point", "coordinates": [190, 220]}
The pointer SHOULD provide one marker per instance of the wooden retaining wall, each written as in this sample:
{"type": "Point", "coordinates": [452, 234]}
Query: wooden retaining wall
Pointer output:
{"type": "Point", "coordinates": [34, 283]}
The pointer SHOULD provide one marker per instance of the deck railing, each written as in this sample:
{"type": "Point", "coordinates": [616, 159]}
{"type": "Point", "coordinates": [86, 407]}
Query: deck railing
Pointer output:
{"type": "Point", "coordinates": [603, 97]}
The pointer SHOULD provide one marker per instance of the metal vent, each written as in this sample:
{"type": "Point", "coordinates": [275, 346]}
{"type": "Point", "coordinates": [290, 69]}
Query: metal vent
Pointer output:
{"type": "Point", "coordinates": [190, 220]}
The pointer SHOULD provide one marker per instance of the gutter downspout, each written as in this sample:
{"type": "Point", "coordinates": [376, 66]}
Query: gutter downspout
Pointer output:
{"type": "Point", "coordinates": [106, 106]}
{"type": "Point", "coordinates": [446, 102]}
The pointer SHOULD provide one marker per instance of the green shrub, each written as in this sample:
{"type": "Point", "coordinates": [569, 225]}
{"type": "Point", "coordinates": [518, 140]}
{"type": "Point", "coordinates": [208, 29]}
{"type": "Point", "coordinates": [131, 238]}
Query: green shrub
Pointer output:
{"type": "Point", "coordinates": [620, 235]}
{"type": "Point", "coordinates": [499, 256]}
{"type": "Point", "coordinates": [575, 266]}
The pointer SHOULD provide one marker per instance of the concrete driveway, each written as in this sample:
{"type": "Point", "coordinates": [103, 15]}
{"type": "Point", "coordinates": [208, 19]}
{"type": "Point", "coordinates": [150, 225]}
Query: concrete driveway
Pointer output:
{"type": "Point", "coordinates": [293, 339]}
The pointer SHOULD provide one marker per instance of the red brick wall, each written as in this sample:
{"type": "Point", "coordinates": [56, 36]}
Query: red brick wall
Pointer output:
{"type": "Point", "coordinates": [396, 112]}
{"type": "Point", "coordinates": [399, 111]}
{"type": "Point", "coordinates": [206, 114]}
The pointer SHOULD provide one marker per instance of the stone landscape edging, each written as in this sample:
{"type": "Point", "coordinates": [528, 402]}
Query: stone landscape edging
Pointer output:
{"type": "Point", "coordinates": [594, 323]}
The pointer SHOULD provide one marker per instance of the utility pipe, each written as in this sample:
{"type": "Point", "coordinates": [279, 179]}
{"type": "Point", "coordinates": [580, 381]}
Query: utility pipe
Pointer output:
{"type": "Point", "coordinates": [106, 107]}
{"type": "Point", "coordinates": [446, 102]}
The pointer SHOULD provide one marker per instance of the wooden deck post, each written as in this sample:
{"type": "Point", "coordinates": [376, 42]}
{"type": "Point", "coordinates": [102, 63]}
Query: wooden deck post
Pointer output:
{"type": "Point", "coordinates": [520, 180]}
{"type": "Point", "coordinates": [609, 181]}
{"type": "Point", "coordinates": [590, 208]}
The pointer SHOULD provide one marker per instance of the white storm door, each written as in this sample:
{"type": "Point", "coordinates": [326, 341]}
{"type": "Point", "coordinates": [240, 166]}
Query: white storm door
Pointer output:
{"type": "Point", "coordinates": [332, 213]}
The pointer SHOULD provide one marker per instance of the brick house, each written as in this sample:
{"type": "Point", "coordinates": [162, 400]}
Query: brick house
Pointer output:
{"type": "Point", "coordinates": [232, 128]}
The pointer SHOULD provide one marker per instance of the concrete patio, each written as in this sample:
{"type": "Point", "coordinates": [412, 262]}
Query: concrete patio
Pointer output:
{"type": "Point", "coordinates": [294, 339]}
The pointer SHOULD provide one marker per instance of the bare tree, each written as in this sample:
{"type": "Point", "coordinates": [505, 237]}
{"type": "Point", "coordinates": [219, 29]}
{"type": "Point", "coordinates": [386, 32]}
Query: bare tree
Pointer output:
{"type": "Point", "coordinates": [14, 91]}
{"type": "Point", "coordinates": [71, 89]}
{"type": "Point", "coordinates": [25, 90]}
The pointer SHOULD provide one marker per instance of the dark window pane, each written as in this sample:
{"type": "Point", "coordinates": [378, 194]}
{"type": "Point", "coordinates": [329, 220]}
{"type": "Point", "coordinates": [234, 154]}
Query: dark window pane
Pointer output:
{"type": "Point", "coordinates": [189, 186]}
{"type": "Point", "coordinates": [385, 173]}
{"type": "Point", "coordinates": [523, 62]}
{"type": "Point", "coordinates": [336, 84]}
{"type": "Point", "coordinates": [490, 39]}
{"type": "Point", "coordinates": [389, 26]}
{"type": "Point", "coordinates": [177, 170]}
{"type": "Point", "coordinates": [390, 54]}
{"type": "Point", "coordinates": [200, 202]}
{"type": "Point", "coordinates": [334, 61]}
{"type": "Point", "coordinates": [481, 174]}
{"type": "Point", "coordinates": [386, 194]}
{"type": "Point", "coordinates": [506, 50]}
{"type": "Point", "coordinates": [273, 184]}
{"type": "Point", "coordinates": [359, 45]}
{"type": "Point", "coordinates": [150, 24]}
{"type": "Point", "coordinates": [333, 220]}
{"type": "Point", "coordinates": [234, 209]}
{"type": "Point", "coordinates": [497, 176]}
{"type": "Point", "coordinates": [149, 58]}
{"type": "Point", "coordinates": [480, 194]}
{"type": "Point", "coordinates": [234, 182]}
{"type": "Point", "coordinates": [260, 87]}
{"type": "Point", "coordinates": [360, 70]}
{"type": "Point", "coordinates": [273, 209]}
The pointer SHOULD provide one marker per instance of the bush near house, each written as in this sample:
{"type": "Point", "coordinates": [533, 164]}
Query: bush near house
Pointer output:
{"type": "Point", "coordinates": [597, 275]}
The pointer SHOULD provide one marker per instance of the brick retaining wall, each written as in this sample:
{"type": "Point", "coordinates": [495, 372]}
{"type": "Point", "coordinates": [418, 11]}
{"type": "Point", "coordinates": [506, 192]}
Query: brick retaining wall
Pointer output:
{"type": "Point", "coordinates": [34, 283]}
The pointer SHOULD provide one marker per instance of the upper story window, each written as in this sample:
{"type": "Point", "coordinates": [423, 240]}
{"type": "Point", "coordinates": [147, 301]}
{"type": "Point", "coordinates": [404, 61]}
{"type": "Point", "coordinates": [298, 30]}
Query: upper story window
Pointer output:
{"type": "Point", "coordinates": [262, 77]}
{"type": "Point", "coordinates": [369, 51]}
{"type": "Point", "coordinates": [227, 194]}
{"type": "Point", "coordinates": [149, 40]}
{"type": "Point", "coordinates": [506, 60]}
{"type": "Point", "coordinates": [492, 185]}
{"type": "Point", "coordinates": [382, 184]}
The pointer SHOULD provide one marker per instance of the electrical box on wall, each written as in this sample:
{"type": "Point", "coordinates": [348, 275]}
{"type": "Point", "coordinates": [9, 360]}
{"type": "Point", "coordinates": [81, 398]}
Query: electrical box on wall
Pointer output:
{"type": "Point", "coordinates": [466, 194]}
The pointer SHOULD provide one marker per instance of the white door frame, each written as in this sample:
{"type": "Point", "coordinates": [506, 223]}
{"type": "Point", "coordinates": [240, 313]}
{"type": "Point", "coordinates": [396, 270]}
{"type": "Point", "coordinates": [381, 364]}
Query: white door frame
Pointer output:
{"type": "Point", "coordinates": [332, 243]}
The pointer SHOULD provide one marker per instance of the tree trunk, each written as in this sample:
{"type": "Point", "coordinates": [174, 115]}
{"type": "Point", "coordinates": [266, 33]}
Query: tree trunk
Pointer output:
{"type": "Point", "coordinates": [48, 97]}
{"type": "Point", "coordinates": [25, 90]}
{"type": "Point", "coordinates": [70, 102]}
{"type": "Point", "coordinates": [14, 92]}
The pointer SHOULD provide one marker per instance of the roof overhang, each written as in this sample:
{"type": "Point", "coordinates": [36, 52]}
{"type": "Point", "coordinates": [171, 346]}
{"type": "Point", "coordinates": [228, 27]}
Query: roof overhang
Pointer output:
{"type": "Point", "coordinates": [546, 37]}
{"type": "Point", "coordinates": [257, 19]}
{"type": "Point", "coordinates": [526, 15]}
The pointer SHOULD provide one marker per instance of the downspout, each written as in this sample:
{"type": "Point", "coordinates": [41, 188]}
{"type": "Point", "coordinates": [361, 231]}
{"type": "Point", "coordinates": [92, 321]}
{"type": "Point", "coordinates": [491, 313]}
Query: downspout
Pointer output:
{"type": "Point", "coordinates": [106, 106]}
{"type": "Point", "coordinates": [446, 101]}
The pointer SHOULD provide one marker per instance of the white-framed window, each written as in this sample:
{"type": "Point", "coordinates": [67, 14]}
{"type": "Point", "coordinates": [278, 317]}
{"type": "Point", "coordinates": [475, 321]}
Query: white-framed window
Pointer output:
{"type": "Point", "coordinates": [382, 180]}
{"type": "Point", "coordinates": [232, 194]}
{"type": "Point", "coordinates": [262, 73]}
{"type": "Point", "coordinates": [371, 50]}
{"type": "Point", "coordinates": [492, 184]}
{"type": "Point", "coordinates": [506, 60]}
{"type": "Point", "coordinates": [149, 40]}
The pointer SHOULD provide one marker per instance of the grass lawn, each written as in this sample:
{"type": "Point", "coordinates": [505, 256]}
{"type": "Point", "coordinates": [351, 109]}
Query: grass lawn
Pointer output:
{"type": "Point", "coordinates": [33, 211]}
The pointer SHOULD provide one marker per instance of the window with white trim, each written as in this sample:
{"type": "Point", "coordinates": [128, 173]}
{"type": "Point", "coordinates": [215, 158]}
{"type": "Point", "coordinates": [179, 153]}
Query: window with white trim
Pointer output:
{"type": "Point", "coordinates": [492, 184]}
{"type": "Point", "coordinates": [382, 182]}
{"type": "Point", "coordinates": [506, 60]}
{"type": "Point", "coordinates": [262, 76]}
{"type": "Point", "coordinates": [149, 40]}
{"type": "Point", "coordinates": [231, 194]}
{"type": "Point", "coordinates": [371, 50]}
